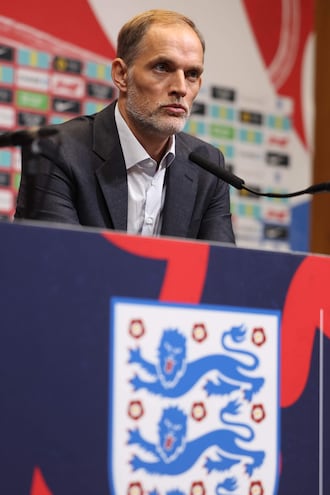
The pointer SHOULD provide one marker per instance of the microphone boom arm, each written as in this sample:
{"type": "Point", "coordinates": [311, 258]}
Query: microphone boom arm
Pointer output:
{"type": "Point", "coordinates": [239, 183]}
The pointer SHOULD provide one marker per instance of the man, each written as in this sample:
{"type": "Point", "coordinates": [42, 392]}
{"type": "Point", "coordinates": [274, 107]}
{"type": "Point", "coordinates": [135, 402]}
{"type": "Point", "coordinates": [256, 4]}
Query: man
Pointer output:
{"type": "Point", "coordinates": [127, 167]}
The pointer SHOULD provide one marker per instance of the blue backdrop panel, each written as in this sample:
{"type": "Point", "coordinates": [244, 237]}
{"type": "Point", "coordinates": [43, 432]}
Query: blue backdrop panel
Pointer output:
{"type": "Point", "coordinates": [54, 352]}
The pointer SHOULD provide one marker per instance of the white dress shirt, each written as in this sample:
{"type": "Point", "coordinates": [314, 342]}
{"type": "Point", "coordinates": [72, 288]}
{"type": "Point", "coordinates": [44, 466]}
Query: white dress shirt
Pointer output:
{"type": "Point", "coordinates": [146, 187]}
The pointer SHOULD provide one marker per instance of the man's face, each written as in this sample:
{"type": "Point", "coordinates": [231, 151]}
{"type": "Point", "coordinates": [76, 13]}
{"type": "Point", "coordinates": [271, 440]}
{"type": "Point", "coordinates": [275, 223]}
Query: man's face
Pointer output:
{"type": "Point", "coordinates": [163, 81]}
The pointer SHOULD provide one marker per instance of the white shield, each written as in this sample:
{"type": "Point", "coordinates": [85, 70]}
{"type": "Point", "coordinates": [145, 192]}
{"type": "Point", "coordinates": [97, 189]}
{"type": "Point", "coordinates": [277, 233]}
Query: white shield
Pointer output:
{"type": "Point", "coordinates": [193, 399]}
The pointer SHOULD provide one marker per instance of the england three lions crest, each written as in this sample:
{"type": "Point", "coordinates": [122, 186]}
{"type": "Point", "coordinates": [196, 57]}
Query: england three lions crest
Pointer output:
{"type": "Point", "coordinates": [193, 400]}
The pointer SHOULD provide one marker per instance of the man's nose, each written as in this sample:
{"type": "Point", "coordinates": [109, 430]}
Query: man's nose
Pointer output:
{"type": "Point", "coordinates": [178, 83]}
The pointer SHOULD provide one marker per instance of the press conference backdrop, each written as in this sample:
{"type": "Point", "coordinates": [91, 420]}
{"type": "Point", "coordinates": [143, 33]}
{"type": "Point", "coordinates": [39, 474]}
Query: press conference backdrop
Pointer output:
{"type": "Point", "coordinates": [256, 102]}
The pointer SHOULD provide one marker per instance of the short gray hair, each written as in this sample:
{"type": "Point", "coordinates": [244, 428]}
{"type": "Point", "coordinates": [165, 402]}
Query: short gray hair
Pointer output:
{"type": "Point", "coordinates": [132, 33]}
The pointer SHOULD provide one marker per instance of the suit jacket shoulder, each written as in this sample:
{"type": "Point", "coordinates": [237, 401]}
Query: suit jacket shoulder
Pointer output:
{"type": "Point", "coordinates": [185, 144]}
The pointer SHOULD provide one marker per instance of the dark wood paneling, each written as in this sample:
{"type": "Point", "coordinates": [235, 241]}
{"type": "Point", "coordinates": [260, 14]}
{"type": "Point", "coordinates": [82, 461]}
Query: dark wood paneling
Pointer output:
{"type": "Point", "coordinates": [320, 211]}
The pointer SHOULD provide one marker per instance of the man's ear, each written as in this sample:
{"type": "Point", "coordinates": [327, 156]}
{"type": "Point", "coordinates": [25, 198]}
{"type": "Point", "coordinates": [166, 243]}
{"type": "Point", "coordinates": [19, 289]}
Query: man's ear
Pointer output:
{"type": "Point", "coordinates": [119, 74]}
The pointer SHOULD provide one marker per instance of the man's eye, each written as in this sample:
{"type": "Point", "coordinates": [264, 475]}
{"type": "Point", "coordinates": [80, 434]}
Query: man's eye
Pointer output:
{"type": "Point", "coordinates": [161, 67]}
{"type": "Point", "coordinates": [192, 75]}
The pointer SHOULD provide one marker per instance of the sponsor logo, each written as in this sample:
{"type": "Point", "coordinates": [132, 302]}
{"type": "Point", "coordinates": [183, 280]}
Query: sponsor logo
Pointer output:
{"type": "Point", "coordinates": [247, 117]}
{"type": "Point", "coordinates": [5, 158]}
{"type": "Point", "coordinates": [280, 159]}
{"type": "Point", "coordinates": [246, 194]}
{"type": "Point", "coordinates": [99, 71]}
{"type": "Point", "coordinates": [222, 93]}
{"type": "Point", "coordinates": [219, 131]}
{"type": "Point", "coordinates": [198, 108]}
{"type": "Point", "coordinates": [248, 227]}
{"type": "Point", "coordinates": [32, 79]}
{"type": "Point", "coordinates": [6, 95]}
{"type": "Point", "coordinates": [282, 142]}
{"type": "Point", "coordinates": [246, 210]}
{"type": "Point", "coordinates": [251, 136]}
{"type": "Point", "coordinates": [222, 112]}
{"type": "Point", "coordinates": [31, 119]}
{"type": "Point", "coordinates": [6, 74]}
{"type": "Point", "coordinates": [282, 123]}
{"type": "Point", "coordinates": [195, 127]}
{"type": "Point", "coordinates": [6, 53]}
{"type": "Point", "coordinates": [278, 215]}
{"type": "Point", "coordinates": [6, 200]}
{"type": "Point", "coordinates": [66, 106]}
{"type": "Point", "coordinates": [29, 99]}
{"type": "Point", "coordinates": [274, 232]}
{"type": "Point", "coordinates": [93, 107]}
{"type": "Point", "coordinates": [100, 91]}
{"type": "Point", "coordinates": [249, 154]}
{"type": "Point", "coordinates": [33, 58]}
{"type": "Point", "coordinates": [70, 86]}
{"type": "Point", "coordinates": [193, 399]}
{"type": "Point", "coordinates": [7, 117]}
{"type": "Point", "coordinates": [4, 179]}
{"type": "Point", "coordinates": [64, 64]}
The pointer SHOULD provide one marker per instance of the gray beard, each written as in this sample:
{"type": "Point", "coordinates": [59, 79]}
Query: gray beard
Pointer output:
{"type": "Point", "coordinates": [154, 123]}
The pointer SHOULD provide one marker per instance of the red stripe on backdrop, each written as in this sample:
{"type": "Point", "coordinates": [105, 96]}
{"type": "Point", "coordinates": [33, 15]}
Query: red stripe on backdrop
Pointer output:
{"type": "Point", "coordinates": [72, 21]}
{"type": "Point", "coordinates": [265, 19]}
{"type": "Point", "coordinates": [307, 296]}
{"type": "Point", "coordinates": [271, 24]}
{"type": "Point", "coordinates": [186, 264]}
{"type": "Point", "coordinates": [39, 486]}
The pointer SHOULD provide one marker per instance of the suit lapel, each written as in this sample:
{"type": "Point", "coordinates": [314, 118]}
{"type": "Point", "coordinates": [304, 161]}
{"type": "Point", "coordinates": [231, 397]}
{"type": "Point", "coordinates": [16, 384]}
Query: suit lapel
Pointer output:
{"type": "Point", "coordinates": [111, 175]}
{"type": "Point", "coordinates": [112, 180]}
{"type": "Point", "coordinates": [181, 190]}
{"type": "Point", "coordinates": [181, 179]}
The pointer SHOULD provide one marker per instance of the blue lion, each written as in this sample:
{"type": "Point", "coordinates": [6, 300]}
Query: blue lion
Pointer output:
{"type": "Point", "coordinates": [173, 377]}
{"type": "Point", "coordinates": [174, 454]}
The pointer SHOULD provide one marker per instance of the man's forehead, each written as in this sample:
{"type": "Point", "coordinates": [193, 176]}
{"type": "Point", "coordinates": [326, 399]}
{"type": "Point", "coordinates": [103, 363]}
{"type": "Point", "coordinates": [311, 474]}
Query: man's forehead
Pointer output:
{"type": "Point", "coordinates": [166, 37]}
{"type": "Point", "coordinates": [163, 29]}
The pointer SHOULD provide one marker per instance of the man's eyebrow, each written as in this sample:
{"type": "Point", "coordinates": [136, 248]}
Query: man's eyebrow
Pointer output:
{"type": "Point", "coordinates": [162, 59]}
{"type": "Point", "coordinates": [166, 60]}
{"type": "Point", "coordinates": [198, 68]}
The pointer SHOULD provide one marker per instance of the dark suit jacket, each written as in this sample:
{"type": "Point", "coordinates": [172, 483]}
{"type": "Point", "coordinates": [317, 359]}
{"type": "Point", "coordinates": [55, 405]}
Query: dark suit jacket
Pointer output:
{"type": "Point", "coordinates": [85, 182]}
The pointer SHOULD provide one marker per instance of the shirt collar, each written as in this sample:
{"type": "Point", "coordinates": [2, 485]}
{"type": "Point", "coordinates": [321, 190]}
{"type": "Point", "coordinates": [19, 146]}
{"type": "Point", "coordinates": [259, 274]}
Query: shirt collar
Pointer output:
{"type": "Point", "coordinates": [133, 151]}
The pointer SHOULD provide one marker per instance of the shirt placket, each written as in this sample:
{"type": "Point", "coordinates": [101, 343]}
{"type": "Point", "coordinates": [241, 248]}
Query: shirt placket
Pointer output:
{"type": "Point", "coordinates": [153, 204]}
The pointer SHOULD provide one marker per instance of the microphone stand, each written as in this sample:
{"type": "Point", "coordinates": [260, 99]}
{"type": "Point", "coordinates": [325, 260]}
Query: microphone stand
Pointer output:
{"type": "Point", "coordinates": [239, 183]}
{"type": "Point", "coordinates": [31, 157]}
{"type": "Point", "coordinates": [29, 140]}
{"type": "Point", "coordinates": [316, 188]}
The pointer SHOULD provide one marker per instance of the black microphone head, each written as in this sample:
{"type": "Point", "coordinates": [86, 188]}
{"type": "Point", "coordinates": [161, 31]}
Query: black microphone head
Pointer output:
{"type": "Point", "coordinates": [214, 169]}
{"type": "Point", "coordinates": [25, 135]}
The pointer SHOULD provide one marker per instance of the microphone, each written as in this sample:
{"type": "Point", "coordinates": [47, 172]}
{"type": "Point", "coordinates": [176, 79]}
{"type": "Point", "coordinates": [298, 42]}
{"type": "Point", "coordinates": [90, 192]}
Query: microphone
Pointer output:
{"type": "Point", "coordinates": [219, 172]}
{"type": "Point", "coordinates": [239, 183]}
{"type": "Point", "coordinates": [25, 136]}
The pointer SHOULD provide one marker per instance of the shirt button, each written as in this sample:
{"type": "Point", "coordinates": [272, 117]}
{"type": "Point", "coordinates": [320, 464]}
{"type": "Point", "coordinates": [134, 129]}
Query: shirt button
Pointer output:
{"type": "Point", "coordinates": [149, 221]}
